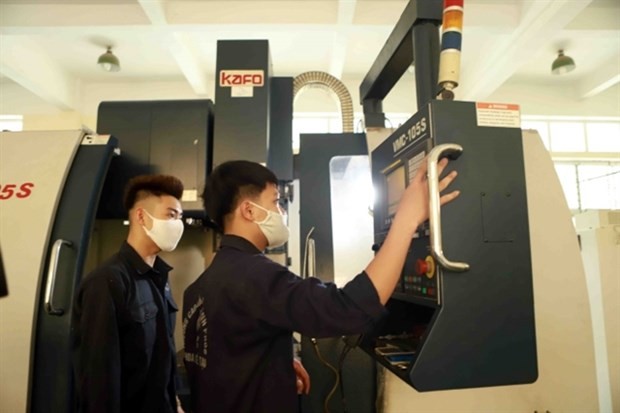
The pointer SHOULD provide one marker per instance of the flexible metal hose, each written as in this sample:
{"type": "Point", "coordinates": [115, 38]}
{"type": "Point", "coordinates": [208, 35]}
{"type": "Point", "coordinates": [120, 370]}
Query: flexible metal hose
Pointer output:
{"type": "Point", "coordinates": [333, 84]}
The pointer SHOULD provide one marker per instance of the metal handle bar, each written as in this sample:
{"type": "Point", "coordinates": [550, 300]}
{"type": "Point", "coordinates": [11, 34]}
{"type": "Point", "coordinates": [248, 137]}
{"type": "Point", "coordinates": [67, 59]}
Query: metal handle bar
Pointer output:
{"type": "Point", "coordinates": [452, 150]}
{"type": "Point", "coordinates": [51, 277]}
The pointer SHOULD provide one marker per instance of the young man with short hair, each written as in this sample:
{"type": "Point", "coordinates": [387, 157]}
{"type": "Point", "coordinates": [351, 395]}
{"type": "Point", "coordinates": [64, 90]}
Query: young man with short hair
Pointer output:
{"type": "Point", "coordinates": [124, 314]}
{"type": "Point", "coordinates": [239, 315]}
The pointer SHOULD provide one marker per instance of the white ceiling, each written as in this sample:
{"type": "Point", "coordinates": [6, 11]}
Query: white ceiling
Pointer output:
{"type": "Point", "coordinates": [50, 47]}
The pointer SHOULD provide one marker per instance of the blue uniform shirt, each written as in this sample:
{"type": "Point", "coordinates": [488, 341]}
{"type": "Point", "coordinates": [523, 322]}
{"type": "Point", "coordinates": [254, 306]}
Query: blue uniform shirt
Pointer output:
{"type": "Point", "coordinates": [238, 319]}
{"type": "Point", "coordinates": [122, 337]}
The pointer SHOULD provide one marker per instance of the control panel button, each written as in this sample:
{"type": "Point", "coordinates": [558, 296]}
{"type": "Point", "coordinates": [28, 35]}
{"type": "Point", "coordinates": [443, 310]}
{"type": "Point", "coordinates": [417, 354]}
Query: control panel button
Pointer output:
{"type": "Point", "coordinates": [425, 266]}
{"type": "Point", "coordinates": [421, 267]}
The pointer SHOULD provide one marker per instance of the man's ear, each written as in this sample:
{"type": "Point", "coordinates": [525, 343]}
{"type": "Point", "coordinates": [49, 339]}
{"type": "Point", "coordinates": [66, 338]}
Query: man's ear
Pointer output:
{"type": "Point", "coordinates": [138, 215]}
{"type": "Point", "coordinates": [246, 210]}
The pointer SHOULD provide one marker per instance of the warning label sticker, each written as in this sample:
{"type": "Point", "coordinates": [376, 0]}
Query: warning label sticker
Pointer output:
{"type": "Point", "coordinates": [499, 115]}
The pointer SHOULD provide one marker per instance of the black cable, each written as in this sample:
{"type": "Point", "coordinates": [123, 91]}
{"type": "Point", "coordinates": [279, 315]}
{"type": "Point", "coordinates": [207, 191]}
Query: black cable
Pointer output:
{"type": "Point", "coordinates": [350, 342]}
{"type": "Point", "coordinates": [343, 354]}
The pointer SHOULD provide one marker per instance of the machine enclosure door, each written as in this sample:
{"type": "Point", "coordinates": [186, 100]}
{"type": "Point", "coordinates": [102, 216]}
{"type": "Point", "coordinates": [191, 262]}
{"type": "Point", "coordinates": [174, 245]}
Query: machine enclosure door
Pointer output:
{"type": "Point", "coordinates": [58, 178]}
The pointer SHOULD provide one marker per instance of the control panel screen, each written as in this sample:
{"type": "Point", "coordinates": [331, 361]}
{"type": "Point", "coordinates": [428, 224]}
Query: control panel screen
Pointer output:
{"type": "Point", "coordinates": [396, 184]}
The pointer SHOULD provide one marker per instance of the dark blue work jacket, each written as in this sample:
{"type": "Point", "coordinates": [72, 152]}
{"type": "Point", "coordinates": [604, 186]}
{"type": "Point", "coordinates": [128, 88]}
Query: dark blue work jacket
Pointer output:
{"type": "Point", "coordinates": [238, 318]}
{"type": "Point", "coordinates": [122, 337]}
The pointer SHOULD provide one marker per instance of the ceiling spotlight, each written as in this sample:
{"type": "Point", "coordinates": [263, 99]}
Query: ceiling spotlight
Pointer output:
{"type": "Point", "coordinates": [562, 64]}
{"type": "Point", "coordinates": [109, 62]}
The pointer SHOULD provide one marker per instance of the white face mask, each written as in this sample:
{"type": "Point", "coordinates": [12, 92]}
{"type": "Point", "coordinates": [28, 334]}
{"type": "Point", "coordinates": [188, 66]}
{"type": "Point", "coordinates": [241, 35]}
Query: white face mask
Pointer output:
{"type": "Point", "coordinates": [165, 233]}
{"type": "Point", "coordinates": [274, 227]}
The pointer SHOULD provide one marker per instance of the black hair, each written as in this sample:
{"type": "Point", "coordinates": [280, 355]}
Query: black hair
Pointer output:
{"type": "Point", "coordinates": [229, 182]}
{"type": "Point", "coordinates": [142, 186]}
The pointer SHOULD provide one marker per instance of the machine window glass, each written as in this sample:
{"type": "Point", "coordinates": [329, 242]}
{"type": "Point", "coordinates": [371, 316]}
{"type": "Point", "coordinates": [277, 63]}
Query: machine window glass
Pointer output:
{"type": "Point", "coordinates": [352, 224]}
{"type": "Point", "coordinates": [395, 181]}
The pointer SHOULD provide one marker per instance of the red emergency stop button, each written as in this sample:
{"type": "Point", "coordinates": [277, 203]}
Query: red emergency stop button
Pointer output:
{"type": "Point", "coordinates": [421, 267]}
{"type": "Point", "coordinates": [425, 267]}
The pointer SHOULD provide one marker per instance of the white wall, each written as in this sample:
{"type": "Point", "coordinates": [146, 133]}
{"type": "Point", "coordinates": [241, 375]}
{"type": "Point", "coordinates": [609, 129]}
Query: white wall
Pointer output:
{"type": "Point", "coordinates": [15, 100]}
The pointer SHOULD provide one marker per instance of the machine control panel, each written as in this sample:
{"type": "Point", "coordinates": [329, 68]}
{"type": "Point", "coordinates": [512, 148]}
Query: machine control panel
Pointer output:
{"type": "Point", "coordinates": [420, 279]}
{"type": "Point", "coordinates": [437, 304]}
{"type": "Point", "coordinates": [423, 278]}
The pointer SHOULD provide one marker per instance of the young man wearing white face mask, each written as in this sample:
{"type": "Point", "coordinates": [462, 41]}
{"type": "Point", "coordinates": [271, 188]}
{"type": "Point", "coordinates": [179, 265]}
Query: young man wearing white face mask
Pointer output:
{"type": "Point", "coordinates": [124, 314]}
{"type": "Point", "coordinates": [239, 315]}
